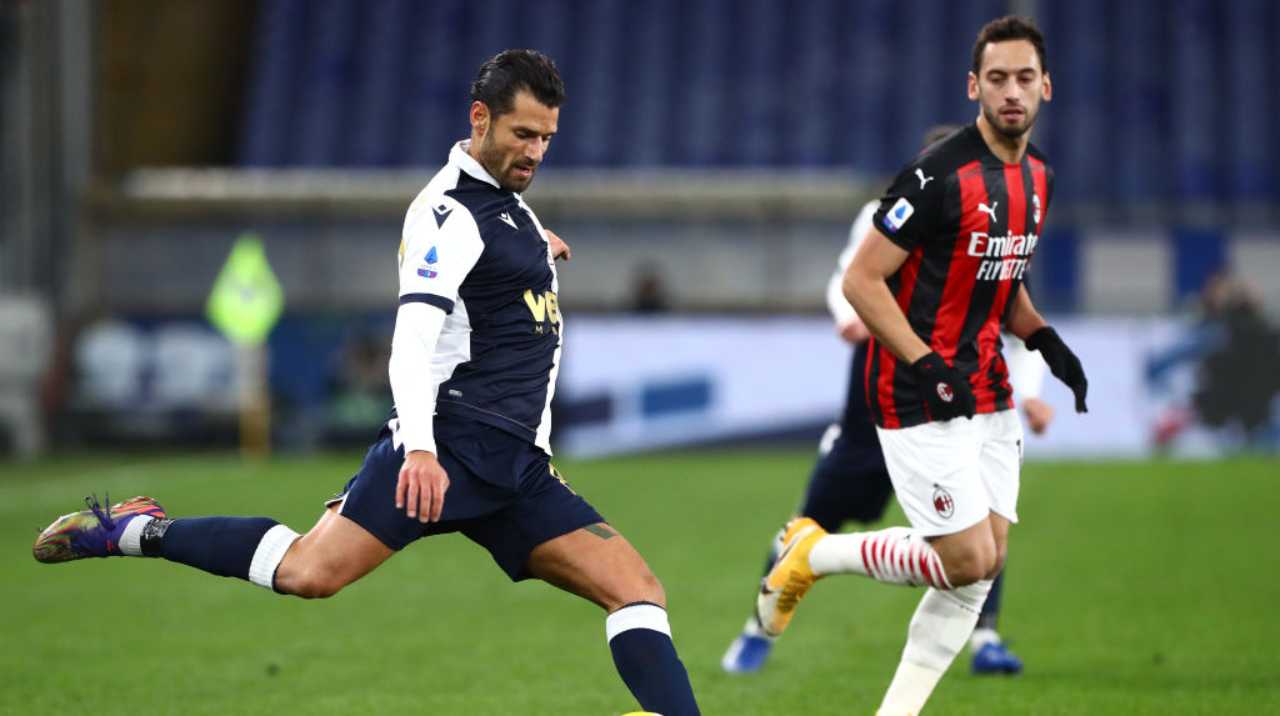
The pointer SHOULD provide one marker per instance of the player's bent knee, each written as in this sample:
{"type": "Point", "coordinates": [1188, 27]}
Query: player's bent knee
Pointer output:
{"type": "Point", "coordinates": [309, 580]}
{"type": "Point", "coordinates": [967, 566]}
{"type": "Point", "coordinates": [640, 587]}
{"type": "Point", "coordinates": [315, 584]}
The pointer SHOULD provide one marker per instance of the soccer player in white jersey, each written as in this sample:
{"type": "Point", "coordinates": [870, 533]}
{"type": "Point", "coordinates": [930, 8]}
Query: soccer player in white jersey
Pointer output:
{"type": "Point", "coordinates": [850, 483]}
{"type": "Point", "coordinates": [473, 366]}
{"type": "Point", "coordinates": [938, 275]}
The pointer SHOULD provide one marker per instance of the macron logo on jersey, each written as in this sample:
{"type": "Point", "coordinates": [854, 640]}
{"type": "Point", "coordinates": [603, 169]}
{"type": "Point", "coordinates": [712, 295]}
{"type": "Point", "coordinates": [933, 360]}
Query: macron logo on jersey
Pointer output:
{"type": "Point", "coordinates": [898, 215]}
{"type": "Point", "coordinates": [442, 213]}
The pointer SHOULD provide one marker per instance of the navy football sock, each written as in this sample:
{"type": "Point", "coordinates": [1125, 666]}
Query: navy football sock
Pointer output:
{"type": "Point", "coordinates": [991, 608]}
{"type": "Point", "coordinates": [245, 547]}
{"type": "Point", "coordinates": [640, 639]}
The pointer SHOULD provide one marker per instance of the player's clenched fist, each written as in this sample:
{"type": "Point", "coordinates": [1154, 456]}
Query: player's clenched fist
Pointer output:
{"type": "Point", "coordinates": [947, 393]}
{"type": "Point", "coordinates": [421, 486]}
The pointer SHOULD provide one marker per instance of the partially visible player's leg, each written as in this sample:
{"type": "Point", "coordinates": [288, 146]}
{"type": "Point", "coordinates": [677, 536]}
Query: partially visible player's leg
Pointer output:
{"type": "Point", "coordinates": [334, 553]}
{"type": "Point", "coordinates": [600, 565]}
{"type": "Point", "coordinates": [256, 549]}
{"type": "Point", "coordinates": [848, 483]}
{"type": "Point", "coordinates": [935, 471]}
{"type": "Point", "coordinates": [945, 619]}
{"type": "Point", "coordinates": [991, 655]}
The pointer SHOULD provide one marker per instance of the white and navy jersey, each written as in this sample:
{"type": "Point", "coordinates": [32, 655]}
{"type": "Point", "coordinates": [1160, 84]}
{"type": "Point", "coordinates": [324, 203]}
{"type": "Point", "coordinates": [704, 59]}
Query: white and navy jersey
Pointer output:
{"type": "Point", "coordinates": [478, 253]}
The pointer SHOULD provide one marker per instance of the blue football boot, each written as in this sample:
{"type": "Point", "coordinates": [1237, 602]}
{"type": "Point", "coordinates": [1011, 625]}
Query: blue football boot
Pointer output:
{"type": "Point", "coordinates": [747, 654]}
{"type": "Point", "coordinates": [995, 658]}
{"type": "Point", "coordinates": [93, 532]}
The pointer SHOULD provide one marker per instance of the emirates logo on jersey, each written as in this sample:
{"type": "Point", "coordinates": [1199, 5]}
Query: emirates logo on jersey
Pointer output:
{"type": "Point", "coordinates": [943, 503]}
{"type": "Point", "coordinates": [945, 392]}
{"type": "Point", "coordinates": [1004, 257]}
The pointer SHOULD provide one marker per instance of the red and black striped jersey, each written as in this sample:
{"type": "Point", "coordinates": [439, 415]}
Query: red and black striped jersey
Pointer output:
{"type": "Point", "coordinates": [971, 224]}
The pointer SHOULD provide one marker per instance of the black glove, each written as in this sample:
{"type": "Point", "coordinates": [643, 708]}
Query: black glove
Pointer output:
{"type": "Point", "coordinates": [946, 392]}
{"type": "Point", "coordinates": [1064, 364]}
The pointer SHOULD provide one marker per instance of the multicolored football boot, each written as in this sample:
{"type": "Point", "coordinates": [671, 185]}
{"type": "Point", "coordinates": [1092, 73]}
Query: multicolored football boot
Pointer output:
{"type": "Point", "coordinates": [92, 532]}
{"type": "Point", "coordinates": [785, 585]}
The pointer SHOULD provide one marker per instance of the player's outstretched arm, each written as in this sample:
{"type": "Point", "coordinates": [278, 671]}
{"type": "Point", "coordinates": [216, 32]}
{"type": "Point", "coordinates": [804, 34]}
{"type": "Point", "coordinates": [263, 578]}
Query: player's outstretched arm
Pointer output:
{"type": "Point", "coordinates": [1026, 323]}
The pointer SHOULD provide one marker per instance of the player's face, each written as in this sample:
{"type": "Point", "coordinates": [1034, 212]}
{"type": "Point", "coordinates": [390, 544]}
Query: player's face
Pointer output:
{"type": "Point", "coordinates": [1010, 87]}
{"type": "Point", "coordinates": [512, 145]}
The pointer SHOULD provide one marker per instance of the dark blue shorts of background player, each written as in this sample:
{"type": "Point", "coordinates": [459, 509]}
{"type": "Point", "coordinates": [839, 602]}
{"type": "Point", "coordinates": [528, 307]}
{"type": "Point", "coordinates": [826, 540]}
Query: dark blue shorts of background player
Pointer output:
{"type": "Point", "coordinates": [850, 483]}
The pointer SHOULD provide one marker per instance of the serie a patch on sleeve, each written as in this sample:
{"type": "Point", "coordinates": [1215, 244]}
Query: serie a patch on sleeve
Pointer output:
{"type": "Point", "coordinates": [898, 214]}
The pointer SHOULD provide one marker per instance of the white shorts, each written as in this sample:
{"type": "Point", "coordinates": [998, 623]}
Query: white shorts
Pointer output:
{"type": "Point", "coordinates": [949, 475]}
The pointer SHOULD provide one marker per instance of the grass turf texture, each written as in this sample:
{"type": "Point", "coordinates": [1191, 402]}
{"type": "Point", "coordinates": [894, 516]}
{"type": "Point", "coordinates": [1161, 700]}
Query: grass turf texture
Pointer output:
{"type": "Point", "coordinates": [1134, 588]}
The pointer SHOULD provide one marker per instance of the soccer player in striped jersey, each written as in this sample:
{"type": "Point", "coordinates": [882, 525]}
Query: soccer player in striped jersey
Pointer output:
{"type": "Point", "coordinates": [473, 366]}
{"type": "Point", "coordinates": [850, 483]}
{"type": "Point", "coordinates": [938, 274]}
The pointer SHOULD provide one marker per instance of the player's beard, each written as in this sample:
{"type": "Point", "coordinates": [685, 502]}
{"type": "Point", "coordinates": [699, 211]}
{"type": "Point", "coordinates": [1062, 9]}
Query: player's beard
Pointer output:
{"type": "Point", "coordinates": [495, 162]}
{"type": "Point", "coordinates": [1007, 131]}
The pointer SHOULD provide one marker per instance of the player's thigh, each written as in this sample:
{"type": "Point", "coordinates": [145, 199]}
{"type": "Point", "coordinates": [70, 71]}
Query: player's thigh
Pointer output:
{"type": "Point", "coordinates": [935, 472]}
{"type": "Point", "coordinates": [598, 564]}
{"type": "Point", "coordinates": [1000, 461]}
{"type": "Point", "coordinates": [333, 554]}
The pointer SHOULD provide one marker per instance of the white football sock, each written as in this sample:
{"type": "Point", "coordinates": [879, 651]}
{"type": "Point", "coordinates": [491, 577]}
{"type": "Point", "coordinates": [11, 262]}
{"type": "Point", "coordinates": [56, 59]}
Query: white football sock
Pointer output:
{"type": "Point", "coordinates": [894, 555]}
{"type": "Point", "coordinates": [752, 628]}
{"type": "Point", "coordinates": [939, 629]}
{"type": "Point", "coordinates": [131, 537]}
{"type": "Point", "coordinates": [981, 637]}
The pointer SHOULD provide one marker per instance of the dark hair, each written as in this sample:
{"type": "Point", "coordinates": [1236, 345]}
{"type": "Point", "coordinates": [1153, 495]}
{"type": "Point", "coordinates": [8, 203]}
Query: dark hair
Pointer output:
{"type": "Point", "coordinates": [1009, 27]}
{"type": "Point", "coordinates": [510, 71]}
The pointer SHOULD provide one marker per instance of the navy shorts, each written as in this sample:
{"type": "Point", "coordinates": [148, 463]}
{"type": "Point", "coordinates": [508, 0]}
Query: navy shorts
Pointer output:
{"type": "Point", "coordinates": [503, 494]}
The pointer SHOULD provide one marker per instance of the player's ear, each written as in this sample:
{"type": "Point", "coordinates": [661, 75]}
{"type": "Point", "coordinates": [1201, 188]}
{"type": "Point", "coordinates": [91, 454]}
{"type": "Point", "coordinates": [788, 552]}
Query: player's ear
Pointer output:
{"type": "Point", "coordinates": [1047, 92]}
{"type": "Point", "coordinates": [973, 86]}
{"type": "Point", "coordinates": [479, 118]}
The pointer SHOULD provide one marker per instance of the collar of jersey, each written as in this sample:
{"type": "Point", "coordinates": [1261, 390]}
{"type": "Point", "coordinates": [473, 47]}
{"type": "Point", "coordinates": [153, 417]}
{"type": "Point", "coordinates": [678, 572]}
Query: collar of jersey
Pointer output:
{"type": "Point", "coordinates": [459, 158]}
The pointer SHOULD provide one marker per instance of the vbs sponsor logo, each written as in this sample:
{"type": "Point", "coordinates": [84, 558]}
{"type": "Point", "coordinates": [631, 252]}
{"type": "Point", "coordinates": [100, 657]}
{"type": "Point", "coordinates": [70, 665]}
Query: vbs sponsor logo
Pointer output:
{"type": "Point", "coordinates": [544, 309]}
{"type": "Point", "coordinates": [1004, 257]}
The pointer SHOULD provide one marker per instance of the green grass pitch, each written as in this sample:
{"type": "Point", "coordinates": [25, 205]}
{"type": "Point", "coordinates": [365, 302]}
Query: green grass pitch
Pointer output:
{"type": "Point", "coordinates": [1133, 588]}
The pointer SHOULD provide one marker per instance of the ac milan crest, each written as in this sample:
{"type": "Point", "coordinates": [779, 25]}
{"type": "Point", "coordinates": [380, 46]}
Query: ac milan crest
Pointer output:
{"type": "Point", "coordinates": [945, 392]}
{"type": "Point", "coordinates": [942, 502]}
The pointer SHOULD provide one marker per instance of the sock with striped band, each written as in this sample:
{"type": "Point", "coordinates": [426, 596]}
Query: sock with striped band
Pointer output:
{"type": "Point", "coordinates": [249, 548]}
{"type": "Point", "coordinates": [895, 555]}
{"type": "Point", "coordinates": [640, 639]}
